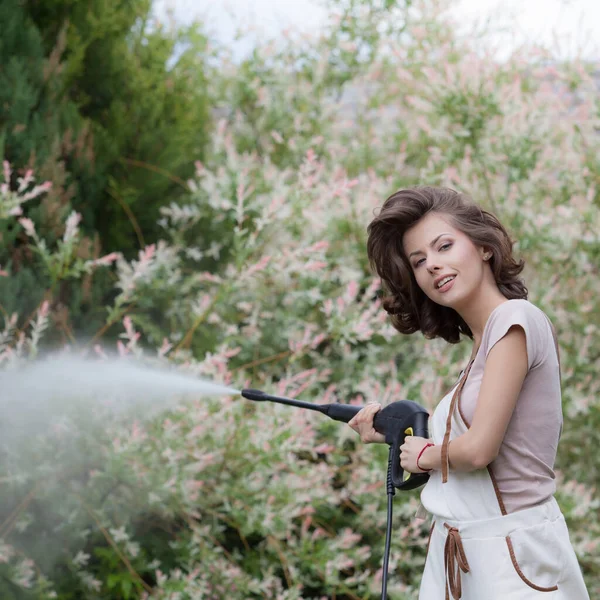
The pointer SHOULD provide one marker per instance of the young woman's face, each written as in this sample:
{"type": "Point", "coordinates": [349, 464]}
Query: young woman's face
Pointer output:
{"type": "Point", "coordinates": [436, 250]}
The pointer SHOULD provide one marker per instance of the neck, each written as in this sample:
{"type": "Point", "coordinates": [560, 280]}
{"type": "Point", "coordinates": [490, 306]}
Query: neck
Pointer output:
{"type": "Point", "coordinates": [477, 314]}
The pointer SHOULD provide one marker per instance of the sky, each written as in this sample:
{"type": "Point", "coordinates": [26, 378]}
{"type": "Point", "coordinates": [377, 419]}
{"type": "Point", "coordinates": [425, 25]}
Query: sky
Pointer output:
{"type": "Point", "coordinates": [569, 27]}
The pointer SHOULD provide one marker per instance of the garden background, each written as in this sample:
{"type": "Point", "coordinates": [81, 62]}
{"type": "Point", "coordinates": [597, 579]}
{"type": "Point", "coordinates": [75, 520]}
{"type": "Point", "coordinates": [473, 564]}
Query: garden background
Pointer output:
{"type": "Point", "coordinates": [161, 200]}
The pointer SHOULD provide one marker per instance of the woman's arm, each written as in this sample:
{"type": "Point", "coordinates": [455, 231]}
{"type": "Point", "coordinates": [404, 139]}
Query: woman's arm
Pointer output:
{"type": "Point", "coordinates": [503, 376]}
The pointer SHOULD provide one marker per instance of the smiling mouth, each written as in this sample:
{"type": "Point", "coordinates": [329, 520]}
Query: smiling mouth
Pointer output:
{"type": "Point", "coordinates": [446, 285]}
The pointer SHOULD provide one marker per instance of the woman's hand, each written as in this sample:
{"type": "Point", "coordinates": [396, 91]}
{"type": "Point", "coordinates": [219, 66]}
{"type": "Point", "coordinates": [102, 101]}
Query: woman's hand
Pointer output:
{"type": "Point", "coordinates": [362, 422]}
{"type": "Point", "coordinates": [409, 452]}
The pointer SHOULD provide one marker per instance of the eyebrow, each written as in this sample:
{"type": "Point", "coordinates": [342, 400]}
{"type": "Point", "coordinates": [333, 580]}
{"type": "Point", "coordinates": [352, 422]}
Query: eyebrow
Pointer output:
{"type": "Point", "coordinates": [430, 245]}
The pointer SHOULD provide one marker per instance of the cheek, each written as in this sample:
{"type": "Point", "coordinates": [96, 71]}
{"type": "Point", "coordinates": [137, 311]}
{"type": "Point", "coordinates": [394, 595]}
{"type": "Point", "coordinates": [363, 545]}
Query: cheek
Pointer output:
{"type": "Point", "coordinates": [460, 252]}
{"type": "Point", "coordinates": [423, 283]}
{"type": "Point", "coordinates": [463, 258]}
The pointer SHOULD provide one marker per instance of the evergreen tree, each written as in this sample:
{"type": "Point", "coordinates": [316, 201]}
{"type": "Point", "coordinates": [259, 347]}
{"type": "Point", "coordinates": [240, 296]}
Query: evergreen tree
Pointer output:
{"type": "Point", "coordinates": [40, 128]}
{"type": "Point", "coordinates": [142, 89]}
{"type": "Point", "coordinates": [110, 108]}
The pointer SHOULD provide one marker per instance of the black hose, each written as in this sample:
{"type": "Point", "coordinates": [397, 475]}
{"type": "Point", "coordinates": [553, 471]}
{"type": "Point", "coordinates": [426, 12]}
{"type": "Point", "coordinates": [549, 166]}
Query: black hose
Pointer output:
{"type": "Point", "coordinates": [388, 530]}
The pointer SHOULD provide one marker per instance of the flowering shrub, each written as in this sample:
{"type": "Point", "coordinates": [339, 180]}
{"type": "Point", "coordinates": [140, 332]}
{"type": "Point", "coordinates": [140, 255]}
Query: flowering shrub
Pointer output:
{"type": "Point", "coordinates": [261, 280]}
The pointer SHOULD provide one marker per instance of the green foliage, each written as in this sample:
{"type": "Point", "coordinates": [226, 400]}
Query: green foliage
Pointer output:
{"type": "Point", "coordinates": [142, 88]}
{"type": "Point", "coordinates": [260, 278]}
{"type": "Point", "coordinates": [114, 111]}
{"type": "Point", "coordinates": [34, 115]}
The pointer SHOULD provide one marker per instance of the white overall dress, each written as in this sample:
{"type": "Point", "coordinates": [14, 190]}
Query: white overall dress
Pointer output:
{"type": "Point", "coordinates": [478, 552]}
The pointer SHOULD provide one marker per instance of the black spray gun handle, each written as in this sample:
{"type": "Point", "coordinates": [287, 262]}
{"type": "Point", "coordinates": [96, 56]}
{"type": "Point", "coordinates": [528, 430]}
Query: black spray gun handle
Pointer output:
{"type": "Point", "coordinates": [395, 421]}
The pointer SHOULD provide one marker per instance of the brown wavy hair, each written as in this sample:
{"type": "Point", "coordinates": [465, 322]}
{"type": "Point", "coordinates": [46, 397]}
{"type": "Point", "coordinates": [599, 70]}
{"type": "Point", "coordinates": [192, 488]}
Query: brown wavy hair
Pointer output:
{"type": "Point", "coordinates": [410, 308]}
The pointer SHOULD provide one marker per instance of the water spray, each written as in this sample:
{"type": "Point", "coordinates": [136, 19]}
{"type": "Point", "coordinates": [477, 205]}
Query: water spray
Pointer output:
{"type": "Point", "coordinates": [32, 399]}
{"type": "Point", "coordinates": [395, 421]}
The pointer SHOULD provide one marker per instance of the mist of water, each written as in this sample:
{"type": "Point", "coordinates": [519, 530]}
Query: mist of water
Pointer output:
{"type": "Point", "coordinates": [35, 398]}
{"type": "Point", "coordinates": [57, 419]}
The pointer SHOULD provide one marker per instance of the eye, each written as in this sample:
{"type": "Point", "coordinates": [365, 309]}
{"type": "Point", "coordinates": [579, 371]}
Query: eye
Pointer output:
{"type": "Point", "coordinates": [442, 247]}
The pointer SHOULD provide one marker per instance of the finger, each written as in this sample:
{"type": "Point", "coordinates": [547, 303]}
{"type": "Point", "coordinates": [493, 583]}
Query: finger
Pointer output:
{"type": "Point", "coordinates": [370, 411]}
{"type": "Point", "coordinates": [365, 416]}
{"type": "Point", "coordinates": [368, 434]}
{"type": "Point", "coordinates": [359, 417]}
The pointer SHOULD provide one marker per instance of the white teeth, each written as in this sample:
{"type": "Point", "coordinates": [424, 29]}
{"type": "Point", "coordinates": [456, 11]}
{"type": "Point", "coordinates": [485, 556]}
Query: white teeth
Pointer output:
{"type": "Point", "coordinates": [444, 281]}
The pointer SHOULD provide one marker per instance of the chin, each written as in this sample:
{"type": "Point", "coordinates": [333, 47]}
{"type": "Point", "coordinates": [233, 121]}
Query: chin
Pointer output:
{"type": "Point", "coordinates": [453, 301]}
{"type": "Point", "coordinates": [440, 302]}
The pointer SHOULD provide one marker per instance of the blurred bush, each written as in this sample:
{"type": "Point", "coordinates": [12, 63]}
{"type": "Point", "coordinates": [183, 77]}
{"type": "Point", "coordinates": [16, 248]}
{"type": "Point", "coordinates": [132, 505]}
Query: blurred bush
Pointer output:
{"type": "Point", "coordinates": [259, 277]}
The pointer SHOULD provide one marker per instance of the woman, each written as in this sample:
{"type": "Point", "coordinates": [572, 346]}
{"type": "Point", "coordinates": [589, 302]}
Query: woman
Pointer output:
{"type": "Point", "coordinates": [497, 532]}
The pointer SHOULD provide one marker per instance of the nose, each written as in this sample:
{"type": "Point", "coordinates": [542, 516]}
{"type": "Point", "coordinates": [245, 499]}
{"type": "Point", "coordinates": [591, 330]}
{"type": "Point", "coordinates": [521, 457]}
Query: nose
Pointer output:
{"type": "Point", "coordinates": [433, 267]}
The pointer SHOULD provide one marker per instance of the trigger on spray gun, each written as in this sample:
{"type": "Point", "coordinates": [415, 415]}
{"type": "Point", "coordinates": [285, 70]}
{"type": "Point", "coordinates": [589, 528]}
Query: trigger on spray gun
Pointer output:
{"type": "Point", "coordinates": [408, 431]}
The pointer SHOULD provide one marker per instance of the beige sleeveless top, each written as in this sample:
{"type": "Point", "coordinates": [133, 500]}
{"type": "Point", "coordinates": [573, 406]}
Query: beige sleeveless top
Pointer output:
{"type": "Point", "coordinates": [524, 469]}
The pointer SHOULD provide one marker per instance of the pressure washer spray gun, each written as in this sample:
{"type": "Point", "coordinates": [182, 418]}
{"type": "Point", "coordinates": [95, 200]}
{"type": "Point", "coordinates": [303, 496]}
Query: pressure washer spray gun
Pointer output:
{"type": "Point", "coordinates": [395, 421]}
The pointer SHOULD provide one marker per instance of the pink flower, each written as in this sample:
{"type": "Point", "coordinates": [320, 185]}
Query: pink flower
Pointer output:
{"type": "Point", "coordinates": [166, 346]}
{"type": "Point", "coordinates": [71, 227]}
{"type": "Point", "coordinates": [259, 266]}
{"type": "Point", "coordinates": [314, 265]}
{"type": "Point", "coordinates": [324, 448]}
{"type": "Point", "coordinates": [317, 340]}
{"type": "Point", "coordinates": [28, 226]}
{"type": "Point", "coordinates": [452, 175]}
{"type": "Point", "coordinates": [351, 291]}
{"type": "Point", "coordinates": [147, 254]}
{"type": "Point", "coordinates": [98, 350]}
{"type": "Point", "coordinates": [107, 259]}
{"type": "Point", "coordinates": [318, 246]}
{"type": "Point", "coordinates": [206, 276]}
{"type": "Point", "coordinates": [43, 311]}
{"type": "Point", "coordinates": [25, 181]}
{"type": "Point", "coordinates": [7, 171]}
{"type": "Point", "coordinates": [128, 326]}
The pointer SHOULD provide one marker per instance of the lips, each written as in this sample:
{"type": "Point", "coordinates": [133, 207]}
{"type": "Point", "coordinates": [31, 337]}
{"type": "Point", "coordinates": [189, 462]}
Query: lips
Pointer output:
{"type": "Point", "coordinates": [447, 285]}
{"type": "Point", "coordinates": [441, 278]}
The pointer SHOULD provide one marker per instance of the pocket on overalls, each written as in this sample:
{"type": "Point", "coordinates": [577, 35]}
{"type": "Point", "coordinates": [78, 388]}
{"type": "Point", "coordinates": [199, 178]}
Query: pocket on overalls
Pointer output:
{"type": "Point", "coordinates": [536, 555]}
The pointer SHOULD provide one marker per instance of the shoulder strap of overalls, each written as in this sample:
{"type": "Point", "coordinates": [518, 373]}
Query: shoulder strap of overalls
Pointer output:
{"type": "Point", "coordinates": [456, 396]}
{"type": "Point", "coordinates": [446, 441]}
